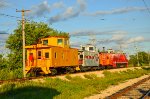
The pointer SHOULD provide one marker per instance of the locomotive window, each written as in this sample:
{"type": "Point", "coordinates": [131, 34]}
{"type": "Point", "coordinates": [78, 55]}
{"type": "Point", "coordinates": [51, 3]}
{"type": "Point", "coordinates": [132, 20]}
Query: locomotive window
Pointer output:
{"type": "Point", "coordinates": [46, 55]}
{"type": "Point", "coordinates": [90, 48]}
{"type": "Point", "coordinates": [55, 55]}
{"type": "Point", "coordinates": [81, 56]}
{"type": "Point", "coordinates": [39, 54]}
{"type": "Point", "coordinates": [59, 41]}
{"type": "Point", "coordinates": [83, 48]}
{"type": "Point", "coordinates": [45, 42]}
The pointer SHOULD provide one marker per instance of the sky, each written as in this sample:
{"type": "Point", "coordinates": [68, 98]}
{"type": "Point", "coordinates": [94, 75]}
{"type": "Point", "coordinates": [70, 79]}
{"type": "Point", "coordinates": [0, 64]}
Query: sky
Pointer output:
{"type": "Point", "coordinates": [115, 24]}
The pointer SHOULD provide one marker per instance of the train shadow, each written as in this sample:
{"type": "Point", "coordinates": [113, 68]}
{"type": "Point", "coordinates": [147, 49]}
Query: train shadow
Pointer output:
{"type": "Point", "coordinates": [30, 92]}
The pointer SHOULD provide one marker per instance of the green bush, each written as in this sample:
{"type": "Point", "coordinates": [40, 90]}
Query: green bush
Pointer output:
{"type": "Point", "coordinates": [10, 74]}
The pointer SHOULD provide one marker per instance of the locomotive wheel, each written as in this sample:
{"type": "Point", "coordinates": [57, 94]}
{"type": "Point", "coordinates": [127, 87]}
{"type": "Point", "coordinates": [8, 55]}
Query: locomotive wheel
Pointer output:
{"type": "Point", "coordinates": [53, 71]}
{"type": "Point", "coordinates": [70, 70]}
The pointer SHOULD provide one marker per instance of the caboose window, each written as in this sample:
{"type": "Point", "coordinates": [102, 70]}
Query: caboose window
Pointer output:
{"type": "Point", "coordinates": [46, 55]}
{"type": "Point", "coordinates": [66, 42]}
{"type": "Point", "coordinates": [59, 41]}
{"type": "Point", "coordinates": [90, 48]}
{"type": "Point", "coordinates": [55, 55]}
{"type": "Point", "coordinates": [39, 54]}
{"type": "Point", "coordinates": [62, 55]}
{"type": "Point", "coordinates": [45, 42]}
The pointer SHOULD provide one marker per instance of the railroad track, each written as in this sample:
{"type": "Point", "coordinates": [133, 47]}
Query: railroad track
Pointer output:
{"type": "Point", "coordinates": [147, 95]}
{"type": "Point", "coordinates": [40, 77]}
{"type": "Point", "coordinates": [139, 90]}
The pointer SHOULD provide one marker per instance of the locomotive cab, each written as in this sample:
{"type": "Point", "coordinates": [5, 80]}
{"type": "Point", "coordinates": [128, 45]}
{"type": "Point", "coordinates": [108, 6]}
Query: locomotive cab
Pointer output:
{"type": "Point", "coordinates": [88, 47]}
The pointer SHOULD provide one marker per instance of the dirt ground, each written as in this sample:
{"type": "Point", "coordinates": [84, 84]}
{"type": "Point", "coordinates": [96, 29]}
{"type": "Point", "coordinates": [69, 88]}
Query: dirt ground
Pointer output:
{"type": "Point", "coordinates": [98, 73]}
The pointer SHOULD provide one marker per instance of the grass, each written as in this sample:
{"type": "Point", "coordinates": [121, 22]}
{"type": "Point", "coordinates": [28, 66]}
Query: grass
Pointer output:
{"type": "Point", "coordinates": [68, 77]}
{"type": "Point", "coordinates": [75, 88]}
{"type": "Point", "coordinates": [90, 76]}
{"type": "Point", "coordinates": [10, 74]}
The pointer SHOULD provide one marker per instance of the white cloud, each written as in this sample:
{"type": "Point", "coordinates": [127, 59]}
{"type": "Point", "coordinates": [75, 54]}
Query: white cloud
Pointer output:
{"type": "Point", "coordinates": [119, 35]}
{"type": "Point", "coordinates": [75, 44]}
{"type": "Point", "coordinates": [58, 5]}
{"type": "Point", "coordinates": [3, 4]}
{"type": "Point", "coordinates": [43, 8]}
{"type": "Point", "coordinates": [3, 38]}
{"type": "Point", "coordinates": [70, 12]}
{"type": "Point", "coordinates": [91, 32]}
{"type": "Point", "coordinates": [40, 9]}
{"type": "Point", "coordinates": [136, 39]}
{"type": "Point", "coordinates": [82, 4]}
{"type": "Point", "coordinates": [117, 11]}
{"type": "Point", "coordinates": [67, 13]}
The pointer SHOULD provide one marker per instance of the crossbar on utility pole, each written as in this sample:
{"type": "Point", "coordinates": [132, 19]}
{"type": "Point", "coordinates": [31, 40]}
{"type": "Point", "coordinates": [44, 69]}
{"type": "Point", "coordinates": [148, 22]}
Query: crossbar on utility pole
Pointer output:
{"type": "Point", "coordinates": [23, 36]}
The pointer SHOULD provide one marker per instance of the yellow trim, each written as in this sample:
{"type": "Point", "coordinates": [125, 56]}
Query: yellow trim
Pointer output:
{"type": "Point", "coordinates": [77, 68]}
{"type": "Point", "coordinates": [27, 70]}
{"type": "Point", "coordinates": [46, 70]}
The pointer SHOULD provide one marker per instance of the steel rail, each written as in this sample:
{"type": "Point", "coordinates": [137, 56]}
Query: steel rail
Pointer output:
{"type": "Point", "coordinates": [127, 89]}
{"type": "Point", "coordinates": [146, 96]}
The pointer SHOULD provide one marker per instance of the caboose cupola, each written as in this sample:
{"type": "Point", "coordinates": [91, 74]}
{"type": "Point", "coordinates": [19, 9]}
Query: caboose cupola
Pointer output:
{"type": "Point", "coordinates": [60, 41]}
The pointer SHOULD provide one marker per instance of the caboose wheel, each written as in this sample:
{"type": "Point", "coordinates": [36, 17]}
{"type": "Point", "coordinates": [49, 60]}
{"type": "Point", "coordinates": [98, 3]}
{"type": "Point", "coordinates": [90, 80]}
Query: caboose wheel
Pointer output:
{"type": "Point", "coordinates": [53, 71]}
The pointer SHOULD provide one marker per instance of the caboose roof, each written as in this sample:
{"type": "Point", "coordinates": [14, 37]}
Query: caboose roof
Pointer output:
{"type": "Point", "coordinates": [57, 37]}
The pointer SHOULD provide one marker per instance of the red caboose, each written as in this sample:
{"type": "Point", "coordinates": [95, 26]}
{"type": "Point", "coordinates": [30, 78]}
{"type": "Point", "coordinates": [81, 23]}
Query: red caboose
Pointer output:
{"type": "Point", "coordinates": [110, 59]}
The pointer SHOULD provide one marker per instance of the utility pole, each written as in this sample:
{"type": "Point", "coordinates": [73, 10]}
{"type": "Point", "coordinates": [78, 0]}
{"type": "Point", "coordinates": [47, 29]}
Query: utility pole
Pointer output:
{"type": "Point", "coordinates": [137, 54]}
{"type": "Point", "coordinates": [92, 39]}
{"type": "Point", "coordinates": [148, 58]}
{"type": "Point", "coordinates": [23, 36]}
{"type": "Point", "coordinates": [138, 58]}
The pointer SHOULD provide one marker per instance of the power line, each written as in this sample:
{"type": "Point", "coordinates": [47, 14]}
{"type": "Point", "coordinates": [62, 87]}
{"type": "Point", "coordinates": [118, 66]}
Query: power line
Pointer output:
{"type": "Point", "coordinates": [146, 6]}
{"type": "Point", "coordinates": [11, 16]}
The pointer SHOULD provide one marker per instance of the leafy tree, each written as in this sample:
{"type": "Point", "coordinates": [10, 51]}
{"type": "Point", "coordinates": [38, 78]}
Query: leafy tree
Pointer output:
{"type": "Point", "coordinates": [133, 60]}
{"type": "Point", "coordinates": [33, 33]}
{"type": "Point", "coordinates": [142, 58]}
{"type": "Point", "coordinates": [3, 62]}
